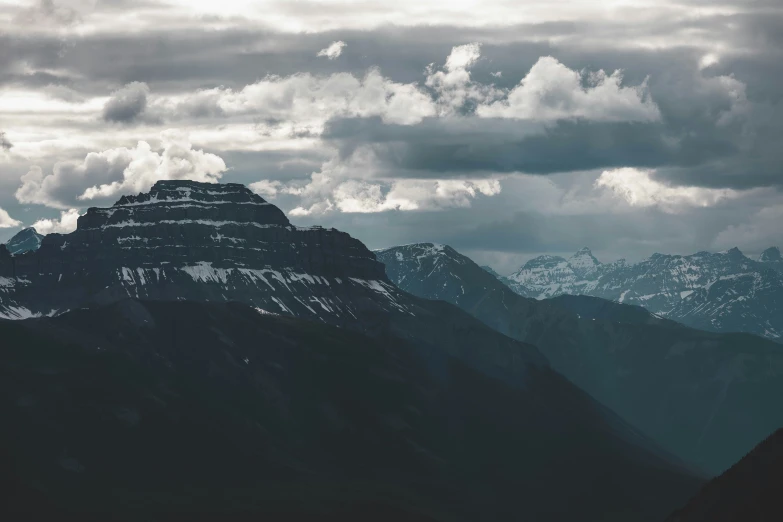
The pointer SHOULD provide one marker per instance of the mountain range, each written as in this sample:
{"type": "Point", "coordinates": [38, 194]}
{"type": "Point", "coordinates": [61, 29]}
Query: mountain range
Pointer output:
{"type": "Point", "coordinates": [722, 292]}
{"type": "Point", "coordinates": [190, 349]}
{"type": "Point", "coordinates": [707, 397]}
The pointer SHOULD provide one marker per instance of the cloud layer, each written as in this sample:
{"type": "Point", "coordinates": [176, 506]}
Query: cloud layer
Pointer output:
{"type": "Point", "coordinates": [505, 128]}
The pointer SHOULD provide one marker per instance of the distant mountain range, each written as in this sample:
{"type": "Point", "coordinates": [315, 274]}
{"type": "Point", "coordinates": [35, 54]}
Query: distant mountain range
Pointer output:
{"type": "Point", "coordinates": [722, 292]}
{"type": "Point", "coordinates": [181, 349]}
{"type": "Point", "coordinates": [705, 396]}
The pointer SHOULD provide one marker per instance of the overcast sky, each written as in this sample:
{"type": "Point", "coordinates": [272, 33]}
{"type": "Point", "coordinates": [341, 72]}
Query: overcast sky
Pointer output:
{"type": "Point", "coordinates": [505, 128]}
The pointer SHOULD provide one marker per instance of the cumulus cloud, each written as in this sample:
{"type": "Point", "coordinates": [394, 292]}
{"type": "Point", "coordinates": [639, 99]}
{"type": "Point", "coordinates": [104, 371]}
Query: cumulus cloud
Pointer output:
{"type": "Point", "coordinates": [127, 103]}
{"type": "Point", "coordinates": [266, 188]}
{"type": "Point", "coordinates": [453, 85]}
{"type": "Point", "coordinates": [640, 189]}
{"type": "Point", "coordinates": [552, 91]}
{"type": "Point", "coordinates": [334, 50]}
{"type": "Point", "coordinates": [65, 225]}
{"type": "Point", "coordinates": [329, 191]}
{"type": "Point", "coordinates": [121, 170]}
{"type": "Point", "coordinates": [7, 221]}
{"type": "Point", "coordinates": [308, 101]}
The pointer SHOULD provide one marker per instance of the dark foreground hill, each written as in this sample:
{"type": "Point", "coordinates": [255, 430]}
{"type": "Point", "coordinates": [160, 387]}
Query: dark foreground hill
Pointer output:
{"type": "Point", "coordinates": [748, 492]}
{"type": "Point", "coordinates": [143, 410]}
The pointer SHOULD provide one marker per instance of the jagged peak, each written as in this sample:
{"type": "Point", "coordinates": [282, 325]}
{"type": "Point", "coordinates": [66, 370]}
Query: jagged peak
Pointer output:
{"type": "Point", "coordinates": [733, 252]}
{"type": "Point", "coordinates": [770, 255]}
{"type": "Point", "coordinates": [583, 258]}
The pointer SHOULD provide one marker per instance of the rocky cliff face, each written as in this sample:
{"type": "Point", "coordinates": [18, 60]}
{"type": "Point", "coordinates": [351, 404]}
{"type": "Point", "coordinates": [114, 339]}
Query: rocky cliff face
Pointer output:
{"type": "Point", "coordinates": [197, 241]}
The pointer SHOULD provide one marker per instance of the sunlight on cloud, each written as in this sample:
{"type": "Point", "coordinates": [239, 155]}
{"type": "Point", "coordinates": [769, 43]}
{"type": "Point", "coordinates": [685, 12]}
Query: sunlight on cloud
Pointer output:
{"type": "Point", "coordinates": [121, 170]}
{"type": "Point", "coordinates": [551, 91]}
{"type": "Point", "coordinates": [65, 225]}
{"type": "Point", "coordinates": [334, 50]}
{"type": "Point", "coordinates": [639, 189]}
{"type": "Point", "coordinates": [7, 221]}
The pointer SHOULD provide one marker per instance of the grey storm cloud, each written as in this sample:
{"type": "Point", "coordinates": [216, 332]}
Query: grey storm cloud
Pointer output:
{"type": "Point", "coordinates": [127, 103]}
{"type": "Point", "coordinates": [720, 125]}
{"type": "Point", "coordinates": [4, 143]}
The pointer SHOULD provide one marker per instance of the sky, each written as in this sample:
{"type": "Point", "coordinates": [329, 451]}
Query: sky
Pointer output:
{"type": "Point", "coordinates": [504, 128]}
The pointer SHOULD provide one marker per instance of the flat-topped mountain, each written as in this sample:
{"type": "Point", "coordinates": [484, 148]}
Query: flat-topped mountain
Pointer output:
{"type": "Point", "coordinates": [724, 291]}
{"type": "Point", "coordinates": [190, 240]}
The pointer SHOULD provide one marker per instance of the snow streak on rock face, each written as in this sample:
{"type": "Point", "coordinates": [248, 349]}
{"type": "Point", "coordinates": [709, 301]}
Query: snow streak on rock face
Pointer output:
{"type": "Point", "coordinates": [198, 241]}
{"type": "Point", "coordinates": [723, 291]}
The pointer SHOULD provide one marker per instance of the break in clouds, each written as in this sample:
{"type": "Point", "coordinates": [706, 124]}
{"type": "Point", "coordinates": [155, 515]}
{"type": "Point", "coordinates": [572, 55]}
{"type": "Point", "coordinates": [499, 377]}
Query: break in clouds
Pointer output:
{"type": "Point", "coordinates": [654, 129]}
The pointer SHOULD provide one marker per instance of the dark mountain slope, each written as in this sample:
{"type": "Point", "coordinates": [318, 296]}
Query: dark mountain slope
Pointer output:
{"type": "Point", "coordinates": [748, 492]}
{"type": "Point", "coordinates": [707, 397]}
{"type": "Point", "coordinates": [140, 410]}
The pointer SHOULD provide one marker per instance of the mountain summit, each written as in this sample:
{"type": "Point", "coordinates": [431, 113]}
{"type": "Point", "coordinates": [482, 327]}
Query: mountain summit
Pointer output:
{"type": "Point", "coordinates": [26, 240]}
{"type": "Point", "coordinates": [198, 241]}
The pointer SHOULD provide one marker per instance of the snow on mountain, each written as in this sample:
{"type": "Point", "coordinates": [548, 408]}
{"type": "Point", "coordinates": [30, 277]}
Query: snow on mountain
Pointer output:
{"type": "Point", "coordinates": [197, 241]}
{"type": "Point", "coordinates": [723, 291]}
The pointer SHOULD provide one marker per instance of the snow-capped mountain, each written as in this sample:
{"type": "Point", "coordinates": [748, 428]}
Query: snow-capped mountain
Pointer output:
{"type": "Point", "coordinates": [196, 241]}
{"type": "Point", "coordinates": [723, 291]}
{"type": "Point", "coordinates": [206, 306]}
{"type": "Point", "coordinates": [26, 240]}
{"type": "Point", "coordinates": [201, 242]}
{"type": "Point", "coordinates": [708, 397]}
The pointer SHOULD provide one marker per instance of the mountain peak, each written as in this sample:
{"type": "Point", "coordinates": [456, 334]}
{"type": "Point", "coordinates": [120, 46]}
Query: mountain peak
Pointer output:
{"type": "Point", "coordinates": [584, 263]}
{"type": "Point", "coordinates": [26, 240]}
{"type": "Point", "coordinates": [734, 252]}
{"type": "Point", "coordinates": [770, 255]}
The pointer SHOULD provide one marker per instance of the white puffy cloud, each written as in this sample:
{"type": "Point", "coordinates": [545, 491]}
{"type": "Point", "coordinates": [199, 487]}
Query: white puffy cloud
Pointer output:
{"type": "Point", "coordinates": [334, 50]}
{"type": "Point", "coordinates": [552, 91]}
{"type": "Point", "coordinates": [453, 84]}
{"type": "Point", "coordinates": [116, 171]}
{"type": "Point", "coordinates": [266, 188]}
{"type": "Point", "coordinates": [308, 100]}
{"type": "Point", "coordinates": [325, 193]}
{"type": "Point", "coordinates": [638, 188]}
{"type": "Point", "coordinates": [64, 225]}
{"type": "Point", "coordinates": [7, 221]}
